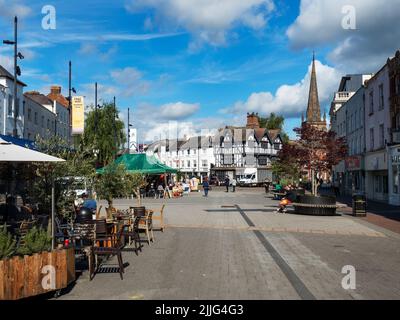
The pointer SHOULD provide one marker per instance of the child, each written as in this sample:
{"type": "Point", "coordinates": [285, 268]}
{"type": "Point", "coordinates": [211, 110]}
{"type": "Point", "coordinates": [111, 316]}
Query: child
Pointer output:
{"type": "Point", "coordinates": [283, 204]}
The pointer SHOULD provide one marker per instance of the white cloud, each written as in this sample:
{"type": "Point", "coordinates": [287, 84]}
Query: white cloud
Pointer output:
{"type": "Point", "coordinates": [17, 8]}
{"type": "Point", "coordinates": [130, 81]}
{"type": "Point", "coordinates": [208, 20]}
{"type": "Point", "coordinates": [178, 110]}
{"type": "Point", "coordinates": [362, 50]}
{"type": "Point", "coordinates": [291, 100]}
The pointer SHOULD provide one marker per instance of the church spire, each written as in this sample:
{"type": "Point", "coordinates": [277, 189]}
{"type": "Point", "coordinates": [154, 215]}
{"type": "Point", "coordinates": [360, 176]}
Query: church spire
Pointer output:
{"type": "Point", "coordinates": [313, 108]}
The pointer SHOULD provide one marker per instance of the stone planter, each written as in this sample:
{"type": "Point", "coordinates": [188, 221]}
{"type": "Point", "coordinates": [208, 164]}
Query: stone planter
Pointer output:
{"type": "Point", "coordinates": [315, 206]}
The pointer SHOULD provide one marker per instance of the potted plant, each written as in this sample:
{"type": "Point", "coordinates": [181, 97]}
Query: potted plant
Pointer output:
{"type": "Point", "coordinates": [29, 267]}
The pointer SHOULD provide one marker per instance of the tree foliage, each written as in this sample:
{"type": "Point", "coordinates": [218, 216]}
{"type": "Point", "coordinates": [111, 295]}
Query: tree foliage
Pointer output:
{"type": "Point", "coordinates": [112, 183]}
{"type": "Point", "coordinates": [274, 122]}
{"type": "Point", "coordinates": [80, 162]}
{"type": "Point", "coordinates": [316, 150]}
{"type": "Point", "coordinates": [103, 133]}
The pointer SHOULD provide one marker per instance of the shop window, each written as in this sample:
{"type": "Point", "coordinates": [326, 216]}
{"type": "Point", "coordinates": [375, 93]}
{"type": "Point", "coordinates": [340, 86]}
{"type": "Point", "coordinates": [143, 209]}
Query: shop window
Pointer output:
{"type": "Point", "coordinates": [395, 179]}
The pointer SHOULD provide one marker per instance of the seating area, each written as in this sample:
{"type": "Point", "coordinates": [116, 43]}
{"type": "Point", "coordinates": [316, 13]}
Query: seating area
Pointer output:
{"type": "Point", "coordinates": [97, 241]}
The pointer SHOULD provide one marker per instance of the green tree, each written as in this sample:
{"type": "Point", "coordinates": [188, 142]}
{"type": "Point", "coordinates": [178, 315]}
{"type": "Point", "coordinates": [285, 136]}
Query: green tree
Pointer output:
{"type": "Point", "coordinates": [274, 122]}
{"type": "Point", "coordinates": [103, 134]}
{"type": "Point", "coordinates": [136, 181]}
{"type": "Point", "coordinates": [112, 183]}
{"type": "Point", "coordinates": [80, 162]}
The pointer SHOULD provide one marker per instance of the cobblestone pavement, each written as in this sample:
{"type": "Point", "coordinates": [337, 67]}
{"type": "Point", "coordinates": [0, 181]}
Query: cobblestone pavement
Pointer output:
{"type": "Point", "coordinates": [234, 246]}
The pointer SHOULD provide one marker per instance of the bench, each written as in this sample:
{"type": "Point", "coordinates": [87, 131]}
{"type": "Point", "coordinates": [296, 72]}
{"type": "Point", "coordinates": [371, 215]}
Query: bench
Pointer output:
{"type": "Point", "coordinates": [315, 209]}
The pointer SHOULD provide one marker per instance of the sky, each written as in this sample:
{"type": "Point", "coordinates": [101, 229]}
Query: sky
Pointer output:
{"type": "Point", "coordinates": [189, 66]}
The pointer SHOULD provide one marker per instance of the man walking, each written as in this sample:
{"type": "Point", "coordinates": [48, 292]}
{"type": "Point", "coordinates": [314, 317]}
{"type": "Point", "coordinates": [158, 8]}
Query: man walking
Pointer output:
{"type": "Point", "coordinates": [227, 183]}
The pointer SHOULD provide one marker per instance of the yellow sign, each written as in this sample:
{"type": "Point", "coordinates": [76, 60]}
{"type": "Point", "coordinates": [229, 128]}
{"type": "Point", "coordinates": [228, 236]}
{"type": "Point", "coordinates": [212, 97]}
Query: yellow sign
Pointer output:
{"type": "Point", "coordinates": [78, 115]}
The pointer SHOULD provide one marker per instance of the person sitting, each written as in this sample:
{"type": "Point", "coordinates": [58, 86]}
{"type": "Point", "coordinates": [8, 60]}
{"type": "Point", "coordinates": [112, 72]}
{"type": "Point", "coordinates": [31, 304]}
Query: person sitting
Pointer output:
{"type": "Point", "coordinates": [160, 191]}
{"type": "Point", "coordinates": [283, 205]}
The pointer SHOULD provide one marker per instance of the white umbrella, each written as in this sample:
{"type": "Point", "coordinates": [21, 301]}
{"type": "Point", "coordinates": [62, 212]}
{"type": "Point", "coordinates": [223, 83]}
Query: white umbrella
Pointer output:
{"type": "Point", "coordinates": [13, 153]}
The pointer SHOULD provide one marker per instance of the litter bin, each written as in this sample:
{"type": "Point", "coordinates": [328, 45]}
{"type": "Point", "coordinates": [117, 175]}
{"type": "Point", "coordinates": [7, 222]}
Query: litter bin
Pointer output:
{"type": "Point", "coordinates": [359, 205]}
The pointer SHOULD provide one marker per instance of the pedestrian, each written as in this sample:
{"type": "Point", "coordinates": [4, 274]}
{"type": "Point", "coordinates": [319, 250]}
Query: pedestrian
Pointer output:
{"type": "Point", "coordinates": [206, 186]}
{"type": "Point", "coordinates": [234, 185]}
{"type": "Point", "coordinates": [227, 183]}
{"type": "Point", "coordinates": [267, 184]}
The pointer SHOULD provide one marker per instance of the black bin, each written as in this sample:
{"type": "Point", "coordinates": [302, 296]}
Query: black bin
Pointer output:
{"type": "Point", "coordinates": [359, 204]}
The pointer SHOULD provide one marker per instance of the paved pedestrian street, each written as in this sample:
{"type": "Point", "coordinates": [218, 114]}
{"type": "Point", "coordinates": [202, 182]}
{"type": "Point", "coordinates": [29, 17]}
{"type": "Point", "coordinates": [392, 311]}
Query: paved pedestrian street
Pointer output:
{"type": "Point", "coordinates": [234, 246]}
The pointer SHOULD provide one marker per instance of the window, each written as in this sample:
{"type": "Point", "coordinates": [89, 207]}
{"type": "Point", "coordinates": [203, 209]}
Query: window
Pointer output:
{"type": "Point", "coordinates": [381, 136]}
{"type": "Point", "coordinates": [188, 152]}
{"type": "Point", "coordinates": [372, 140]}
{"type": "Point", "coordinates": [17, 107]}
{"type": "Point", "coordinates": [29, 114]}
{"type": "Point", "coordinates": [48, 123]}
{"type": "Point", "coordinates": [371, 102]}
{"type": "Point", "coordinates": [195, 163]}
{"type": "Point", "coordinates": [42, 122]}
{"type": "Point", "coordinates": [188, 163]}
{"type": "Point", "coordinates": [183, 164]}
{"type": "Point", "coordinates": [381, 98]}
{"type": "Point", "coordinates": [36, 118]}
{"type": "Point", "coordinates": [10, 104]}
{"type": "Point", "coordinates": [395, 179]}
{"type": "Point", "coordinates": [194, 152]}
{"type": "Point", "coordinates": [264, 144]}
{"type": "Point", "coordinates": [204, 163]}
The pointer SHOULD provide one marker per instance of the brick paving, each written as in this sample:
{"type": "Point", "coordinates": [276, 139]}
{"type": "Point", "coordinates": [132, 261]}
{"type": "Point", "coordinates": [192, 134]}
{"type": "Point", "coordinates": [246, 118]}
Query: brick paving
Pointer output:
{"type": "Point", "coordinates": [210, 250]}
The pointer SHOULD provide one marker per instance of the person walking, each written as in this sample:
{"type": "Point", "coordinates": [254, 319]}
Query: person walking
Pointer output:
{"type": "Point", "coordinates": [227, 183]}
{"type": "Point", "coordinates": [234, 185]}
{"type": "Point", "coordinates": [206, 187]}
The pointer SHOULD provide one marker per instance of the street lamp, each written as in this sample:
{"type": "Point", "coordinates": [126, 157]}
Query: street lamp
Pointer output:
{"type": "Point", "coordinates": [17, 71]}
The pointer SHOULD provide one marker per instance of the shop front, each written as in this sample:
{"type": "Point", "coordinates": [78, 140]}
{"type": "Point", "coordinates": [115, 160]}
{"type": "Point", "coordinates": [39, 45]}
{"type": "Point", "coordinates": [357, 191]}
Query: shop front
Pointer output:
{"type": "Point", "coordinates": [355, 175]}
{"type": "Point", "coordinates": [394, 175]}
{"type": "Point", "coordinates": [376, 176]}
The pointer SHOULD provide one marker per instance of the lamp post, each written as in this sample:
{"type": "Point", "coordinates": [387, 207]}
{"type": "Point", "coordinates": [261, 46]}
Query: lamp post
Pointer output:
{"type": "Point", "coordinates": [17, 72]}
{"type": "Point", "coordinates": [115, 130]}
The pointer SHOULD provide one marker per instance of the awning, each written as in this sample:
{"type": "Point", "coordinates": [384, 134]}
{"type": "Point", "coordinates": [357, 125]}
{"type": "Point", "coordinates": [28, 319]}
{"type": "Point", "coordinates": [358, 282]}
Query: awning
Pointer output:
{"type": "Point", "coordinates": [141, 163]}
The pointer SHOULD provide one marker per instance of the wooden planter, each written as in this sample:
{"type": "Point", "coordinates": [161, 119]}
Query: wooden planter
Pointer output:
{"type": "Point", "coordinates": [21, 277]}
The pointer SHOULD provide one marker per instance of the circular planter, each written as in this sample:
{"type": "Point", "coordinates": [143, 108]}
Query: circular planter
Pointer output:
{"type": "Point", "coordinates": [316, 207]}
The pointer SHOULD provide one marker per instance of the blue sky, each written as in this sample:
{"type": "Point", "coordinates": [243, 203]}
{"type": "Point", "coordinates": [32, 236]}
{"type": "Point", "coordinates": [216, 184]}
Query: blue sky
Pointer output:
{"type": "Point", "coordinates": [198, 63]}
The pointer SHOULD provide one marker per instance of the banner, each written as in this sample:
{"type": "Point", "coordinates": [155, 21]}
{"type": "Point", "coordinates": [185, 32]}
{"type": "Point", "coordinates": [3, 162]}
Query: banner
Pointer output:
{"type": "Point", "coordinates": [78, 115]}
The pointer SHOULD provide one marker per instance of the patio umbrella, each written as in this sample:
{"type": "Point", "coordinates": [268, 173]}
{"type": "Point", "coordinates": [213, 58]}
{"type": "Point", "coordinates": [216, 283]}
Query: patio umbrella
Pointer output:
{"type": "Point", "coordinates": [13, 153]}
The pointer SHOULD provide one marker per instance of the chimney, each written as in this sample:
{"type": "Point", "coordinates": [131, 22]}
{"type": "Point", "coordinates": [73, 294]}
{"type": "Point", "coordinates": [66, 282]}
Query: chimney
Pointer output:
{"type": "Point", "coordinates": [55, 90]}
{"type": "Point", "coordinates": [252, 121]}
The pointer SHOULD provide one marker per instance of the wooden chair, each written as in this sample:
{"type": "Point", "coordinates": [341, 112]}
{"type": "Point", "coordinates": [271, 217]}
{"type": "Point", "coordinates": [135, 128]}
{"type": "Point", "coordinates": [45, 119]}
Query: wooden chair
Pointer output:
{"type": "Point", "coordinates": [146, 223]}
{"type": "Point", "coordinates": [23, 229]}
{"type": "Point", "coordinates": [160, 217]}
{"type": "Point", "coordinates": [99, 250]}
{"type": "Point", "coordinates": [132, 232]}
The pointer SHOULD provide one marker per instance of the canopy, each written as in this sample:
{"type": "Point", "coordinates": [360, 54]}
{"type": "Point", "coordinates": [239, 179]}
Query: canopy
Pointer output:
{"type": "Point", "coordinates": [13, 153]}
{"type": "Point", "coordinates": [142, 163]}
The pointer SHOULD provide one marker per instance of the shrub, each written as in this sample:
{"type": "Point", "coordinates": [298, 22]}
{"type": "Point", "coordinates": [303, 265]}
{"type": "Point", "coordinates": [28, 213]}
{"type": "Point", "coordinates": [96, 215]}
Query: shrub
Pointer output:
{"type": "Point", "coordinates": [35, 241]}
{"type": "Point", "coordinates": [7, 244]}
